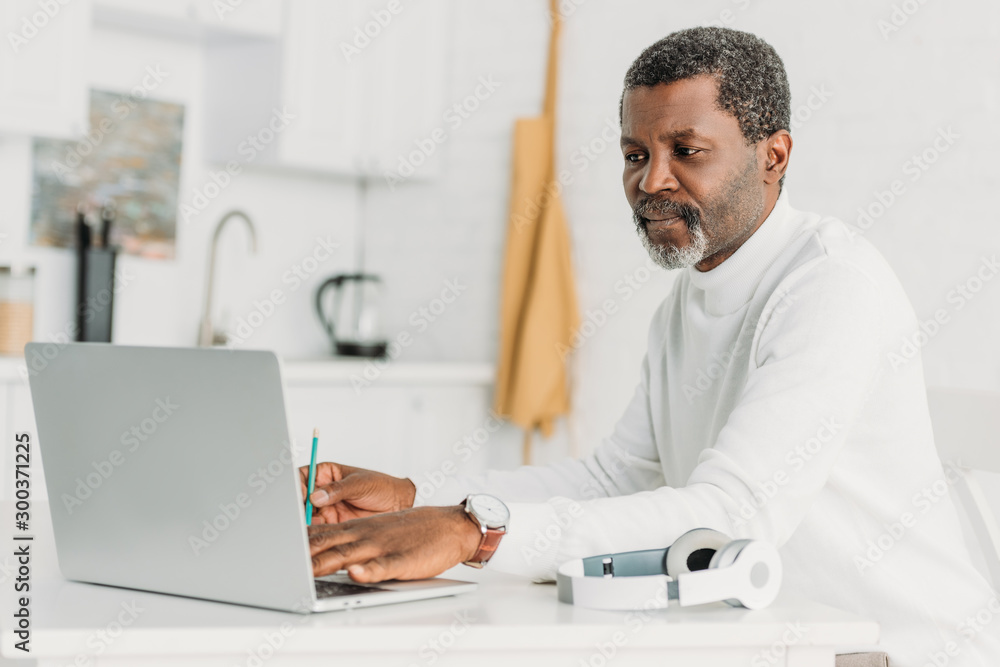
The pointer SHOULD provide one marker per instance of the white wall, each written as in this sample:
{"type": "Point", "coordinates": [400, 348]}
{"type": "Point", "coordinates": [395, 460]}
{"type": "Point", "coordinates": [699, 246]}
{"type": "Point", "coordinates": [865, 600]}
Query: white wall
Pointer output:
{"type": "Point", "coordinates": [890, 96]}
{"type": "Point", "coordinates": [887, 99]}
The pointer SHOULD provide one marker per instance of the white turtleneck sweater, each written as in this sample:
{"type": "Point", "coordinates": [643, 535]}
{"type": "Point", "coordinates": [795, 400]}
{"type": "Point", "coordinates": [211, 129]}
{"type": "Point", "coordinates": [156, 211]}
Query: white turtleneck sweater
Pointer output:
{"type": "Point", "coordinates": [772, 405]}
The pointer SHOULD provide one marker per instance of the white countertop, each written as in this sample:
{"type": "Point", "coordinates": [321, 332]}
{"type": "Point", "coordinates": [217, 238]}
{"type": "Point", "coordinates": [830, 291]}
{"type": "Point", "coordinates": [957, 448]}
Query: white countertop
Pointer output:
{"type": "Point", "coordinates": [330, 370]}
{"type": "Point", "coordinates": [506, 621]}
{"type": "Point", "coordinates": [337, 371]}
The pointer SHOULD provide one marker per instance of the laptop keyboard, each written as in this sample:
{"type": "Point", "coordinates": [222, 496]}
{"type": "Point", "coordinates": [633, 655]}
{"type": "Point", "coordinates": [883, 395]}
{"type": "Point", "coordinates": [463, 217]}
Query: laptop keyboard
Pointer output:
{"type": "Point", "coordinates": [332, 589]}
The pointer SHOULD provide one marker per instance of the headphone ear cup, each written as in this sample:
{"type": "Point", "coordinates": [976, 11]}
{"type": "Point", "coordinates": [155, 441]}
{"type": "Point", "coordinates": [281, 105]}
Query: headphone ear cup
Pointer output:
{"type": "Point", "coordinates": [694, 550]}
{"type": "Point", "coordinates": [725, 556]}
{"type": "Point", "coordinates": [764, 572]}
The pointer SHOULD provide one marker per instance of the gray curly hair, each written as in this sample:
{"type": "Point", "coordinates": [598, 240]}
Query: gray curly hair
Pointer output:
{"type": "Point", "coordinates": [753, 85]}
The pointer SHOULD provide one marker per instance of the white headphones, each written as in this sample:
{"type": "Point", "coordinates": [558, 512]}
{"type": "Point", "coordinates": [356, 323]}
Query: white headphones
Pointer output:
{"type": "Point", "coordinates": [702, 565]}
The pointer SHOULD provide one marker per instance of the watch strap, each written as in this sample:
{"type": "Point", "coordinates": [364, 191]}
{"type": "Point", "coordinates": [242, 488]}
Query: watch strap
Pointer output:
{"type": "Point", "coordinates": [487, 547]}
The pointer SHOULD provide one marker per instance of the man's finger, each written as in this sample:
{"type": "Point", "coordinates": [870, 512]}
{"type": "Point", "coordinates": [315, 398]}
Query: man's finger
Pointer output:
{"type": "Point", "coordinates": [325, 473]}
{"type": "Point", "coordinates": [325, 536]}
{"type": "Point", "coordinates": [377, 569]}
{"type": "Point", "coordinates": [331, 493]}
{"type": "Point", "coordinates": [304, 479]}
{"type": "Point", "coordinates": [325, 515]}
{"type": "Point", "coordinates": [329, 515]}
{"type": "Point", "coordinates": [343, 555]}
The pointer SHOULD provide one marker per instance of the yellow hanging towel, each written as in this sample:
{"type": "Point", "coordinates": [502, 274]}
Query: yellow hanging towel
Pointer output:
{"type": "Point", "coordinates": [539, 311]}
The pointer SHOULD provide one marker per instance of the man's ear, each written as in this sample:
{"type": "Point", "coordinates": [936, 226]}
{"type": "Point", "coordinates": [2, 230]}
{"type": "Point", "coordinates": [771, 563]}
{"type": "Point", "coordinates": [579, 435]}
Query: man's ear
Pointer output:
{"type": "Point", "coordinates": [778, 150]}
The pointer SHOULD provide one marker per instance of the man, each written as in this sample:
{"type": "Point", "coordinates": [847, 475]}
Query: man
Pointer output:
{"type": "Point", "coordinates": [767, 407]}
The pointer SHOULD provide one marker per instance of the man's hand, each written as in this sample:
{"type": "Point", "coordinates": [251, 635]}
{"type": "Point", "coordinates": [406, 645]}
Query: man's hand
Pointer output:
{"type": "Point", "coordinates": [412, 544]}
{"type": "Point", "coordinates": [343, 493]}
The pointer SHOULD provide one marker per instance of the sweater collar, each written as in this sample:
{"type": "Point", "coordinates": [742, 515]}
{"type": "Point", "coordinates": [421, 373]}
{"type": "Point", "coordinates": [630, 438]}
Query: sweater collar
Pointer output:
{"type": "Point", "coordinates": [731, 284]}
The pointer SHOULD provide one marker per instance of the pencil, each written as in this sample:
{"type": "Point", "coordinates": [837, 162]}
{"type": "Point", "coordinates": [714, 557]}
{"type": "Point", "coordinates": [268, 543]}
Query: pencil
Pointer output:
{"type": "Point", "coordinates": [312, 479]}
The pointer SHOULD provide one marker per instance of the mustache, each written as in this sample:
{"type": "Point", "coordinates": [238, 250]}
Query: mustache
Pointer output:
{"type": "Point", "coordinates": [664, 207]}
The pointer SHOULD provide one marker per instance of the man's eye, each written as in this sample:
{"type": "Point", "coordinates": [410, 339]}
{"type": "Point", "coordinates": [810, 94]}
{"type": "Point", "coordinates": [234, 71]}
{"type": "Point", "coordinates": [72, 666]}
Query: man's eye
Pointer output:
{"type": "Point", "coordinates": [633, 157]}
{"type": "Point", "coordinates": [684, 151]}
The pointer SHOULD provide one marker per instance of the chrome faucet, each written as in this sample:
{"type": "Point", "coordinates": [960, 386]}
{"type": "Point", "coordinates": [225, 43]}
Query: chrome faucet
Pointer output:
{"type": "Point", "coordinates": [206, 335]}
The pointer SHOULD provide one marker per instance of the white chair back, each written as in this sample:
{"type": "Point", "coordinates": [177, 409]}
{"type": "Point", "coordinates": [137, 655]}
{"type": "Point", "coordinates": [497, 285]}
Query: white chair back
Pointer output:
{"type": "Point", "coordinates": [967, 434]}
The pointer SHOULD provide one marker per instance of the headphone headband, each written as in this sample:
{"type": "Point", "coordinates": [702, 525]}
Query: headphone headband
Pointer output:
{"type": "Point", "coordinates": [743, 573]}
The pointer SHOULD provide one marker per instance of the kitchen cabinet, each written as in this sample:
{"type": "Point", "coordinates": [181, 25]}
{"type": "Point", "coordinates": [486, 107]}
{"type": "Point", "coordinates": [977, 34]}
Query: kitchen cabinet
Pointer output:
{"type": "Point", "coordinates": [43, 81]}
{"type": "Point", "coordinates": [351, 88]}
{"type": "Point", "coordinates": [43, 88]}
{"type": "Point", "coordinates": [399, 430]}
{"type": "Point", "coordinates": [405, 420]}
{"type": "Point", "coordinates": [192, 18]}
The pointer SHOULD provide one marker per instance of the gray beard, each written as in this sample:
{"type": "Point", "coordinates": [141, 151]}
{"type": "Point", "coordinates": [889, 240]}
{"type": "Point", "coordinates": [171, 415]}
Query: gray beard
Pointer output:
{"type": "Point", "coordinates": [736, 202]}
{"type": "Point", "coordinates": [669, 257]}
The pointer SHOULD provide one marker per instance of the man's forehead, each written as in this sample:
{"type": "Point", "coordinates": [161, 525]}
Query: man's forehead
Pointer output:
{"type": "Point", "coordinates": [684, 108]}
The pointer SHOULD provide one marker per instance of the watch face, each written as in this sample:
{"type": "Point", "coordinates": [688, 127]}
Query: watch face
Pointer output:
{"type": "Point", "coordinates": [490, 510]}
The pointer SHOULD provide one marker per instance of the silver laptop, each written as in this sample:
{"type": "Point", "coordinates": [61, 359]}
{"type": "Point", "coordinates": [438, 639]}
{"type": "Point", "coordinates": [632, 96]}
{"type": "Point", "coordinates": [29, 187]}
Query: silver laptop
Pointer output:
{"type": "Point", "coordinates": [172, 470]}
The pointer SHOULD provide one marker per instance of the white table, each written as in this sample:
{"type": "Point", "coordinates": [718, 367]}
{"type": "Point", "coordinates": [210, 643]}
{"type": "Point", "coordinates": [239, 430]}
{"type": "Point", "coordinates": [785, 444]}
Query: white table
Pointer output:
{"type": "Point", "coordinates": [508, 621]}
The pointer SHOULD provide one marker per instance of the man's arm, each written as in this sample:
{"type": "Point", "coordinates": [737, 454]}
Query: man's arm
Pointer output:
{"type": "Point", "coordinates": [814, 366]}
{"type": "Point", "coordinates": [626, 462]}
{"type": "Point", "coordinates": [426, 540]}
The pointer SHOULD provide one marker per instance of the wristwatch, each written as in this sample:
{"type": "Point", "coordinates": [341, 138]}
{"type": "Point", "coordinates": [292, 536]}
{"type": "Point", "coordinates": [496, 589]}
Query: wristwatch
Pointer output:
{"type": "Point", "coordinates": [492, 517]}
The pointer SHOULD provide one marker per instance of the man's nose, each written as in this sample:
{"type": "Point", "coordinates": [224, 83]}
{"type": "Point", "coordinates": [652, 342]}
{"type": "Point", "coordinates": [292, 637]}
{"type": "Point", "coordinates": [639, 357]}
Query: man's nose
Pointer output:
{"type": "Point", "coordinates": [658, 176]}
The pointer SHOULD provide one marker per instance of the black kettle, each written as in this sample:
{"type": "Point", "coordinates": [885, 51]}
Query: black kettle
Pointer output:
{"type": "Point", "coordinates": [353, 321]}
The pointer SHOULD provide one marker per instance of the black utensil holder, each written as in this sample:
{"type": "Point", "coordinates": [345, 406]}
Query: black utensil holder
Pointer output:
{"type": "Point", "coordinates": [95, 294]}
